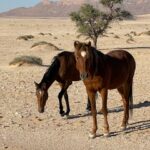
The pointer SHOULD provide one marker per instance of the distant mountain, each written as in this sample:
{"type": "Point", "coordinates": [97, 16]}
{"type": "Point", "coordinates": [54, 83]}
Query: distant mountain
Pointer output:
{"type": "Point", "coordinates": [62, 8]}
{"type": "Point", "coordinates": [137, 7]}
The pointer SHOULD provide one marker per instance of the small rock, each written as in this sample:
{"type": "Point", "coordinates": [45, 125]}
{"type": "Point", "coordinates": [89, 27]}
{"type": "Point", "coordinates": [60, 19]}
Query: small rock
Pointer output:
{"type": "Point", "coordinates": [39, 119]}
{"type": "Point", "coordinates": [5, 147]}
{"type": "Point", "coordinates": [18, 114]}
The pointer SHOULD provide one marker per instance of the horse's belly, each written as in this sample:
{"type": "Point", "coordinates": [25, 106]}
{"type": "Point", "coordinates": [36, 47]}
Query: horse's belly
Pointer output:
{"type": "Point", "coordinates": [117, 81]}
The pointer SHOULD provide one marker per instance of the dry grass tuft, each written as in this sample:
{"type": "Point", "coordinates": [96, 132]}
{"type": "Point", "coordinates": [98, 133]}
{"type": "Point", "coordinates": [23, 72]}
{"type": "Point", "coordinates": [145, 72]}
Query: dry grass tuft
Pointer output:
{"type": "Point", "coordinates": [45, 43]}
{"type": "Point", "coordinates": [147, 32]}
{"type": "Point", "coordinates": [25, 37]}
{"type": "Point", "coordinates": [41, 33]}
{"type": "Point", "coordinates": [26, 60]}
{"type": "Point", "coordinates": [117, 37]}
{"type": "Point", "coordinates": [133, 33]}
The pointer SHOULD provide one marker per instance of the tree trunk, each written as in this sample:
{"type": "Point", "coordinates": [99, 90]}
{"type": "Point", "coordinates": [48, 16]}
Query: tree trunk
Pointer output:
{"type": "Point", "coordinates": [95, 42]}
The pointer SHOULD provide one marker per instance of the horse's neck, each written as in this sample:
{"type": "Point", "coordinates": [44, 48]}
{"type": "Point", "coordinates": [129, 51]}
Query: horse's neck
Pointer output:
{"type": "Point", "coordinates": [100, 62]}
{"type": "Point", "coordinates": [46, 82]}
{"type": "Point", "coordinates": [49, 76]}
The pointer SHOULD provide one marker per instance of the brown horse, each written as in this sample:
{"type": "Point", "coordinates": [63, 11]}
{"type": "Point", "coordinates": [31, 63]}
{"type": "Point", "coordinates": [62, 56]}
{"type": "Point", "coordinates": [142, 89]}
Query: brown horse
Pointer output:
{"type": "Point", "coordinates": [100, 72]}
{"type": "Point", "coordinates": [63, 70]}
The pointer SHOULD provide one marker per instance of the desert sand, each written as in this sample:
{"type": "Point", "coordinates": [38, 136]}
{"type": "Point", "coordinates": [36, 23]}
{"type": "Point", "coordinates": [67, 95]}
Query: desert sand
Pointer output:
{"type": "Point", "coordinates": [23, 128]}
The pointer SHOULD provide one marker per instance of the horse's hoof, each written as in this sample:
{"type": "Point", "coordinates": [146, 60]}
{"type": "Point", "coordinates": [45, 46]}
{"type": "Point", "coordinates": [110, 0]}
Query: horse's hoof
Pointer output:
{"type": "Point", "coordinates": [123, 128]}
{"type": "Point", "coordinates": [67, 116]}
{"type": "Point", "coordinates": [100, 112]}
{"type": "Point", "coordinates": [106, 134]}
{"type": "Point", "coordinates": [92, 136]}
{"type": "Point", "coordinates": [88, 112]}
{"type": "Point", "coordinates": [62, 115]}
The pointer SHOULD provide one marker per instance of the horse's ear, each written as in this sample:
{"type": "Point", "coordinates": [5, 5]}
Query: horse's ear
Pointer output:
{"type": "Point", "coordinates": [76, 44]}
{"type": "Point", "coordinates": [43, 86]}
{"type": "Point", "coordinates": [89, 44]}
{"type": "Point", "coordinates": [36, 84]}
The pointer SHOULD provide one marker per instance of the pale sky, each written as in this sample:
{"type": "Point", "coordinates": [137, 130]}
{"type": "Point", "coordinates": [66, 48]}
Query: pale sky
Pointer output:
{"type": "Point", "coordinates": [10, 4]}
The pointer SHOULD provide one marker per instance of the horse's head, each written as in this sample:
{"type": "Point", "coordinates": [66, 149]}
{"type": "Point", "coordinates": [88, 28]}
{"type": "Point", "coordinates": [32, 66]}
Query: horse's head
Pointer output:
{"type": "Point", "coordinates": [42, 96]}
{"type": "Point", "coordinates": [83, 57]}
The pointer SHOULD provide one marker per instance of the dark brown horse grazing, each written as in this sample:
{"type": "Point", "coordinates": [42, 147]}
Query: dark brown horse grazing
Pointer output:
{"type": "Point", "coordinates": [63, 70]}
{"type": "Point", "coordinates": [100, 72]}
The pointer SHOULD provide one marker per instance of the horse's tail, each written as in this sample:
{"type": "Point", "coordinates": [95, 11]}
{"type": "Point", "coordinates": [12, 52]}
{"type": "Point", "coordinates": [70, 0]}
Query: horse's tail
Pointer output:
{"type": "Point", "coordinates": [130, 98]}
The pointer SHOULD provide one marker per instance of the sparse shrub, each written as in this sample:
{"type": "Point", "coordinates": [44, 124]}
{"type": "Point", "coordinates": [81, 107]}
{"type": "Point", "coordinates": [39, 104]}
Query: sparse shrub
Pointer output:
{"type": "Point", "coordinates": [55, 38]}
{"type": "Point", "coordinates": [104, 35]}
{"type": "Point", "coordinates": [44, 43]}
{"type": "Point", "coordinates": [147, 32]}
{"type": "Point", "coordinates": [25, 37]}
{"type": "Point", "coordinates": [144, 33]}
{"type": "Point", "coordinates": [50, 34]}
{"type": "Point", "coordinates": [133, 33]}
{"type": "Point", "coordinates": [39, 43]}
{"type": "Point", "coordinates": [21, 60]}
{"type": "Point", "coordinates": [116, 36]}
{"type": "Point", "coordinates": [128, 35]}
{"type": "Point", "coordinates": [41, 33]}
{"type": "Point", "coordinates": [130, 39]}
{"type": "Point", "coordinates": [111, 33]}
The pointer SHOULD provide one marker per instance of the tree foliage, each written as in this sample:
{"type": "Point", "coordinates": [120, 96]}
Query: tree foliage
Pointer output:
{"type": "Point", "coordinates": [93, 23]}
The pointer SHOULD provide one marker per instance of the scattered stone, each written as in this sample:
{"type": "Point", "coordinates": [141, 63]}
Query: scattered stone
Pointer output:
{"type": "Point", "coordinates": [18, 114]}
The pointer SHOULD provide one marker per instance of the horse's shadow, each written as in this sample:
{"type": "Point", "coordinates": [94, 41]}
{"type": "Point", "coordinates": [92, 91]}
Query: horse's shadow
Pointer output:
{"type": "Point", "coordinates": [133, 127]}
{"type": "Point", "coordinates": [112, 110]}
{"type": "Point", "coordinates": [135, 106]}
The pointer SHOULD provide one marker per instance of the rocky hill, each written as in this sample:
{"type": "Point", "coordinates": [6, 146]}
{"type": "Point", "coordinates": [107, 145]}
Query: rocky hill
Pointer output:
{"type": "Point", "coordinates": [62, 8]}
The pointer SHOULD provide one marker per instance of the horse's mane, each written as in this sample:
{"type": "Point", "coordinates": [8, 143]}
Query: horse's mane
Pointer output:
{"type": "Point", "coordinates": [97, 60]}
{"type": "Point", "coordinates": [50, 73]}
{"type": "Point", "coordinates": [52, 70]}
{"type": "Point", "coordinates": [65, 54]}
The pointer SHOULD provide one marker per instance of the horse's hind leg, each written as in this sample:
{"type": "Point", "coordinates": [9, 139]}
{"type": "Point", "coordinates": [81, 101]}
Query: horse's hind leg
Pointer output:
{"type": "Point", "coordinates": [64, 87]}
{"type": "Point", "coordinates": [124, 94]}
{"type": "Point", "coordinates": [60, 95]}
{"type": "Point", "coordinates": [88, 107]}
{"type": "Point", "coordinates": [67, 103]}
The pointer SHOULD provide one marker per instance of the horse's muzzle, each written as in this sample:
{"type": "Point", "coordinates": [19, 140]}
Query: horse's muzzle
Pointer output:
{"type": "Point", "coordinates": [83, 76]}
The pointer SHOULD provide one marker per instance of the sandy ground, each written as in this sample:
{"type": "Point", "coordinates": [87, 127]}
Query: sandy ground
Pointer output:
{"type": "Point", "coordinates": [23, 128]}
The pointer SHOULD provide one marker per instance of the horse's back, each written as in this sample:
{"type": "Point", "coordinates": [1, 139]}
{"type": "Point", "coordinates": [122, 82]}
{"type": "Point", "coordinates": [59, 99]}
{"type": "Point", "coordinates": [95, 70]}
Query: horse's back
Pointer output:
{"type": "Point", "coordinates": [67, 70]}
{"type": "Point", "coordinates": [122, 56]}
{"type": "Point", "coordinates": [121, 67]}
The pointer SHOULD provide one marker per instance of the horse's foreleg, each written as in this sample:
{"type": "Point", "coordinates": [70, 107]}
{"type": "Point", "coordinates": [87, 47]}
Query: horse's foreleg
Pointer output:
{"type": "Point", "coordinates": [103, 93]}
{"type": "Point", "coordinates": [91, 95]}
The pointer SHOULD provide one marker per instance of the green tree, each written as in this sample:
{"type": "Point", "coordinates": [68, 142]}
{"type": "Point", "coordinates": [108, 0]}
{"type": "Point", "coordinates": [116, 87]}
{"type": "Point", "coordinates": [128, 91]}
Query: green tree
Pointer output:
{"type": "Point", "coordinates": [93, 23]}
